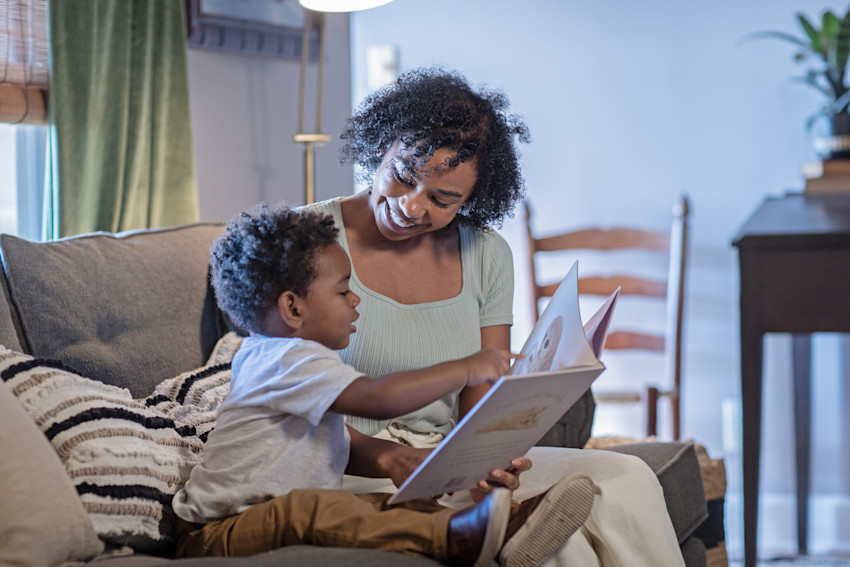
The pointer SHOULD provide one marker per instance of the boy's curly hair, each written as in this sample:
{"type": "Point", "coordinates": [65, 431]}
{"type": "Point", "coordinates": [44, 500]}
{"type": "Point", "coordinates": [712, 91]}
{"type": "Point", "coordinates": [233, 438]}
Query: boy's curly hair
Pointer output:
{"type": "Point", "coordinates": [432, 108]}
{"type": "Point", "coordinates": [263, 254]}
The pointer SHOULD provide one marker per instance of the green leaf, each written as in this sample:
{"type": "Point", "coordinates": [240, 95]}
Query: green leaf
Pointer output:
{"type": "Point", "coordinates": [814, 35]}
{"type": "Point", "coordinates": [778, 35]}
{"type": "Point", "coordinates": [841, 102]}
{"type": "Point", "coordinates": [810, 122]}
{"type": "Point", "coordinates": [811, 80]}
{"type": "Point", "coordinates": [843, 43]}
{"type": "Point", "coordinates": [830, 27]}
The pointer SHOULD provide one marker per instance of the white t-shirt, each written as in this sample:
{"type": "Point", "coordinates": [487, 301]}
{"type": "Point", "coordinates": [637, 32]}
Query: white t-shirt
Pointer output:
{"type": "Point", "coordinates": [273, 432]}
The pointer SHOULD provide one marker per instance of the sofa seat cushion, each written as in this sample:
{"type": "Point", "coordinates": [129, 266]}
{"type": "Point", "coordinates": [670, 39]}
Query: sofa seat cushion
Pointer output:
{"type": "Point", "coordinates": [296, 555]}
{"type": "Point", "coordinates": [128, 309]}
{"type": "Point", "coordinates": [126, 458]}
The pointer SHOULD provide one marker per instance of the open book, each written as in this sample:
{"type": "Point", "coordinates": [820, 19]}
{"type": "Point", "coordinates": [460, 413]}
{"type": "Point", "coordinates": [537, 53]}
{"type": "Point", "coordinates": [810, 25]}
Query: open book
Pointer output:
{"type": "Point", "coordinates": [560, 363]}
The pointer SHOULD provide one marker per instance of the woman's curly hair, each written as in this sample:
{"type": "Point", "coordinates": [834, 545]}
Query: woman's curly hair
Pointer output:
{"type": "Point", "coordinates": [433, 108]}
{"type": "Point", "coordinates": [263, 254]}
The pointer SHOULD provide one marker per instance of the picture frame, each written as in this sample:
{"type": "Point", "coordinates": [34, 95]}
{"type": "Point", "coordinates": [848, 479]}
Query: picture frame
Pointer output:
{"type": "Point", "coordinates": [264, 28]}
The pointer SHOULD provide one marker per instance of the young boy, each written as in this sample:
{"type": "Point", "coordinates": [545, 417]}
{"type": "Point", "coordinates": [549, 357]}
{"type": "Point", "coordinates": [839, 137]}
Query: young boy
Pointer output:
{"type": "Point", "coordinates": [273, 466]}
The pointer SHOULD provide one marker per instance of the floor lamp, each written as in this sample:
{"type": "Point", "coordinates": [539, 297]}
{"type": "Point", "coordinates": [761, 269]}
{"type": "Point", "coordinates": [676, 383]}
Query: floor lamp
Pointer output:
{"type": "Point", "coordinates": [316, 9]}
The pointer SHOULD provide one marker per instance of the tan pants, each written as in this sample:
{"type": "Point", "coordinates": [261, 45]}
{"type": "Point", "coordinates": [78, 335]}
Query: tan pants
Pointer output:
{"type": "Point", "coordinates": [330, 518]}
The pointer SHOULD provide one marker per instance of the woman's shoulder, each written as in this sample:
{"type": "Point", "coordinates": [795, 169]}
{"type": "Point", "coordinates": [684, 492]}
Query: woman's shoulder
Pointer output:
{"type": "Point", "coordinates": [485, 241]}
{"type": "Point", "coordinates": [330, 206]}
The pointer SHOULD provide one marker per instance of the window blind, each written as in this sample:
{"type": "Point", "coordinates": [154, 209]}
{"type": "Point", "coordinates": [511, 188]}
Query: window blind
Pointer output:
{"type": "Point", "coordinates": [23, 61]}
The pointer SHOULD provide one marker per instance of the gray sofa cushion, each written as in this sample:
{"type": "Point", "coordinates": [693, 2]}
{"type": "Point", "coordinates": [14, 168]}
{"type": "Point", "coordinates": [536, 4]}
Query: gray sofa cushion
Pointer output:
{"type": "Point", "coordinates": [296, 556]}
{"type": "Point", "coordinates": [694, 553]}
{"type": "Point", "coordinates": [89, 300]}
{"type": "Point", "coordinates": [677, 467]}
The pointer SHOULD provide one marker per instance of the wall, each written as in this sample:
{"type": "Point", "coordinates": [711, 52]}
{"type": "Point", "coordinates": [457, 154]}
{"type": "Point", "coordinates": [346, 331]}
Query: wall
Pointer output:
{"type": "Point", "coordinates": [244, 115]}
{"type": "Point", "coordinates": [631, 104]}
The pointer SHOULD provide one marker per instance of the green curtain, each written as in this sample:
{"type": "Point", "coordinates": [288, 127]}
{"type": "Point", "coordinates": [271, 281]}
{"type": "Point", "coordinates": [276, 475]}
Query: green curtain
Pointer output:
{"type": "Point", "coordinates": [120, 141]}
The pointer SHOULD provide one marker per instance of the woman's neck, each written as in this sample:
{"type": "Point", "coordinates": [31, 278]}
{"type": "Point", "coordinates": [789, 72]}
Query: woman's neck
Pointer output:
{"type": "Point", "coordinates": [420, 269]}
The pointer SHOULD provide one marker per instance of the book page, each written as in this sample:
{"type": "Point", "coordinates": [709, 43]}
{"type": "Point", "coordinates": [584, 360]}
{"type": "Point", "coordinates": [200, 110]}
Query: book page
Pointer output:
{"type": "Point", "coordinates": [561, 362]}
{"type": "Point", "coordinates": [596, 328]}
{"type": "Point", "coordinates": [558, 339]}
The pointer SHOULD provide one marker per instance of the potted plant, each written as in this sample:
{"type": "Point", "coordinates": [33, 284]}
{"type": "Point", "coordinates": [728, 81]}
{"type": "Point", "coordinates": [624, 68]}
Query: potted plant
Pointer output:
{"type": "Point", "coordinates": [826, 50]}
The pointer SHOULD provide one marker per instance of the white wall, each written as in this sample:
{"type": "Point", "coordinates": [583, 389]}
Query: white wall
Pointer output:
{"type": "Point", "coordinates": [631, 104]}
{"type": "Point", "coordinates": [244, 115]}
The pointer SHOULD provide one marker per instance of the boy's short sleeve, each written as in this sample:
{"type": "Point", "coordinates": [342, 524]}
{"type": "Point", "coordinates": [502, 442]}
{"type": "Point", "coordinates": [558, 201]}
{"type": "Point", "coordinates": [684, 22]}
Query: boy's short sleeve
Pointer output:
{"type": "Point", "coordinates": [291, 376]}
{"type": "Point", "coordinates": [316, 378]}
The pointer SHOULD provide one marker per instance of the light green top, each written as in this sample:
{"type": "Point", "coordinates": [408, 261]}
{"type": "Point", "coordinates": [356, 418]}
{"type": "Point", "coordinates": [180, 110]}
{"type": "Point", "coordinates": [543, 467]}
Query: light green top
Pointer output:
{"type": "Point", "coordinates": [392, 336]}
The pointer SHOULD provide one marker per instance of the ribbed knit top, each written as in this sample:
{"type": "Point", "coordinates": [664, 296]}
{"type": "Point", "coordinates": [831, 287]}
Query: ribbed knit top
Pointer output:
{"type": "Point", "coordinates": [393, 336]}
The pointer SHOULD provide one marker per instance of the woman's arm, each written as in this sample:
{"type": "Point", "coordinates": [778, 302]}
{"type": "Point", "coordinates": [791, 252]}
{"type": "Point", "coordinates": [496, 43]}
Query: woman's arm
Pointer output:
{"type": "Point", "coordinates": [378, 458]}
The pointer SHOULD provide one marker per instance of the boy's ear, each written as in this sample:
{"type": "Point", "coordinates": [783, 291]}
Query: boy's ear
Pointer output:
{"type": "Point", "coordinates": [290, 308]}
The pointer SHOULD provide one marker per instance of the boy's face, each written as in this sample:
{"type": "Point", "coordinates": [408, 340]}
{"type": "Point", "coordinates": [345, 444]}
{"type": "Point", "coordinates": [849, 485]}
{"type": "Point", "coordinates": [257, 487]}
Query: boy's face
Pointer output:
{"type": "Point", "coordinates": [328, 310]}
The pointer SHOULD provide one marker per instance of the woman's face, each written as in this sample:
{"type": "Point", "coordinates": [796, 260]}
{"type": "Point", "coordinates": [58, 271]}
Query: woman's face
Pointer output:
{"type": "Point", "coordinates": [410, 199]}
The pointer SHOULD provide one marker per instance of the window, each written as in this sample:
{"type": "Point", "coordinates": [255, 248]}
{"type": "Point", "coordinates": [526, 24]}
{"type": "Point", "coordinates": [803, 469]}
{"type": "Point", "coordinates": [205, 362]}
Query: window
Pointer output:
{"type": "Point", "coordinates": [8, 187]}
{"type": "Point", "coordinates": [22, 179]}
{"type": "Point", "coordinates": [23, 84]}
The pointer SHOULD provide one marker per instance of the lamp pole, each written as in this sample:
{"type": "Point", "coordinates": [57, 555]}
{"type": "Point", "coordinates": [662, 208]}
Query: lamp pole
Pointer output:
{"type": "Point", "coordinates": [310, 141]}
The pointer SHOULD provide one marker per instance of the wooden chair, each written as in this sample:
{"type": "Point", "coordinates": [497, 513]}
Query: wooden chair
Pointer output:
{"type": "Point", "coordinates": [671, 291]}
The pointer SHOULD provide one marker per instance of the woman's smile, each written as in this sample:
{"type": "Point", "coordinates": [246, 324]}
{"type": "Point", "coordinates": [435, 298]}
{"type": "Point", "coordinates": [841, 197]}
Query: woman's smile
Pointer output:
{"type": "Point", "coordinates": [397, 218]}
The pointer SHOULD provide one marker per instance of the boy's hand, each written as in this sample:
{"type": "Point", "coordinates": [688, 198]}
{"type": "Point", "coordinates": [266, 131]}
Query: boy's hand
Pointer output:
{"type": "Point", "coordinates": [487, 366]}
{"type": "Point", "coordinates": [506, 479]}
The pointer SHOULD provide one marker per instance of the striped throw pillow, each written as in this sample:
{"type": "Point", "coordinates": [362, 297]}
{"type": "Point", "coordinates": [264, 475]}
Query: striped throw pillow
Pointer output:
{"type": "Point", "coordinates": [125, 457]}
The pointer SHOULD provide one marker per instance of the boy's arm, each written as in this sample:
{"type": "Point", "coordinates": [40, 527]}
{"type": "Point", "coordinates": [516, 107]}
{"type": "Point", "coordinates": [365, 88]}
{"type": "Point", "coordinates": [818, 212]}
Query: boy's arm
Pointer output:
{"type": "Point", "coordinates": [495, 336]}
{"type": "Point", "coordinates": [378, 458]}
{"type": "Point", "coordinates": [403, 392]}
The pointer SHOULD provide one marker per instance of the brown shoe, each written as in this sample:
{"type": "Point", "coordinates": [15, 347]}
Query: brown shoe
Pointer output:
{"type": "Point", "coordinates": [542, 524]}
{"type": "Point", "coordinates": [476, 533]}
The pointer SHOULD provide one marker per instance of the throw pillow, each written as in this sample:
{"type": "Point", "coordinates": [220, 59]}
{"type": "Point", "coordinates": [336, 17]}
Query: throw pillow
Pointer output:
{"type": "Point", "coordinates": [225, 349]}
{"type": "Point", "coordinates": [43, 520]}
{"type": "Point", "coordinates": [125, 457]}
{"type": "Point", "coordinates": [192, 399]}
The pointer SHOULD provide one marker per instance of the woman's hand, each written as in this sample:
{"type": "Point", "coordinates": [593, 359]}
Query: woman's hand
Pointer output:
{"type": "Point", "coordinates": [379, 458]}
{"type": "Point", "coordinates": [400, 462]}
{"type": "Point", "coordinates": [498, 478]}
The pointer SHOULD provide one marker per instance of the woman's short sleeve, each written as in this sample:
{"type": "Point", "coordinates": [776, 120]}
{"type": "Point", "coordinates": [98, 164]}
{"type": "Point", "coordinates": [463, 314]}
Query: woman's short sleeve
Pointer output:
{"type": "Point", "coordinates": [497, 281]}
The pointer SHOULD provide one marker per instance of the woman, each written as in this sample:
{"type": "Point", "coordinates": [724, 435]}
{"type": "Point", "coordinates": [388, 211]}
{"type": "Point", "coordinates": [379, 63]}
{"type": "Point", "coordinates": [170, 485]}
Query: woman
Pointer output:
{"type": "Point", "coordinates": [436, 283]}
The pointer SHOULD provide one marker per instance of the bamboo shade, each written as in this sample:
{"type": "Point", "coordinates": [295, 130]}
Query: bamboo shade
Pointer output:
{"type": "Point", "coordinates": [23, 61]}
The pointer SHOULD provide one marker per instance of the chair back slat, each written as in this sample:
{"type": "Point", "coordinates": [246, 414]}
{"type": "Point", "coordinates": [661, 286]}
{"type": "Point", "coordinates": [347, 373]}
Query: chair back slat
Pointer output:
{"type": "Point", "coordinates": [630, 340]}
{"type": "Point", "coordinates": [603, 240]}
{"type": "Point", "coordinates": [628, 285]}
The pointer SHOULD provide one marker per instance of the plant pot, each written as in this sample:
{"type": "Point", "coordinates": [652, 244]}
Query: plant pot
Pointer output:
{"type": "Point", "coordinates": [835, 142]}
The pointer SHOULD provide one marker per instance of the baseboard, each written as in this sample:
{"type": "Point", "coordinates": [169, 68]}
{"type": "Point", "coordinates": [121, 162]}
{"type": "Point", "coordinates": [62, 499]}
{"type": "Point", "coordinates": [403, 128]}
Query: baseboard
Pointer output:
{"type": "Point", "coordinates": [829, 524]}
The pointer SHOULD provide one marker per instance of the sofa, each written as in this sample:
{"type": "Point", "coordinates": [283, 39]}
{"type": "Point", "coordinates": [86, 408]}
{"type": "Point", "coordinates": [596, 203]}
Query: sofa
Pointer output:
{"type": "Point", "coordinates": [113, 359]}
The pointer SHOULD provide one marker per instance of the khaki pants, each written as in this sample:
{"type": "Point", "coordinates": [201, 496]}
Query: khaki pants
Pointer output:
{"type": "Point", "coordinates": [329, 518]}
